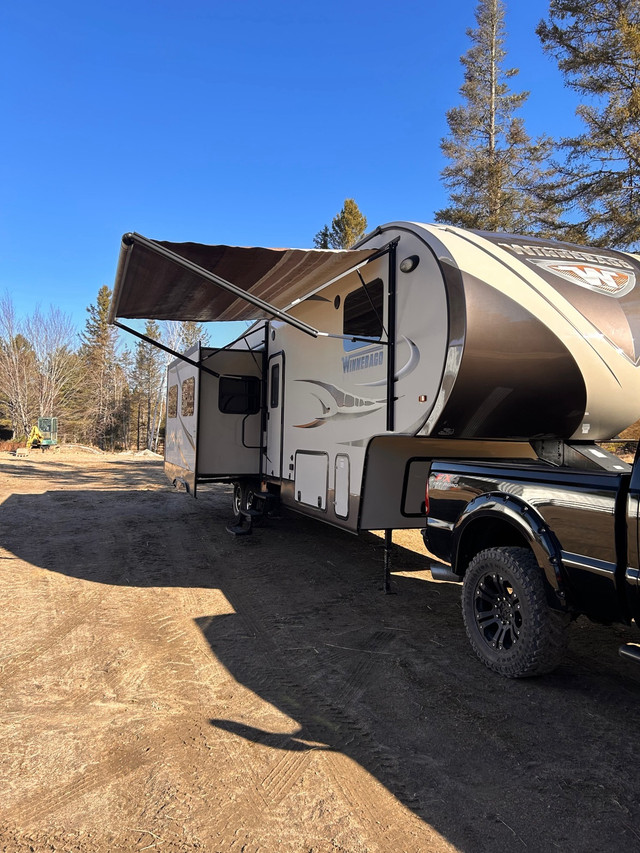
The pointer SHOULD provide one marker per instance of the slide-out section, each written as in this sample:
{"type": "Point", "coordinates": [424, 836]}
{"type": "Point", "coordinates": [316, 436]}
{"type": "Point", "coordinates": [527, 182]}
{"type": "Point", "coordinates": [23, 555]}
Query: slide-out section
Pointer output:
{"type": "Point", "coordinates": [214, 421]}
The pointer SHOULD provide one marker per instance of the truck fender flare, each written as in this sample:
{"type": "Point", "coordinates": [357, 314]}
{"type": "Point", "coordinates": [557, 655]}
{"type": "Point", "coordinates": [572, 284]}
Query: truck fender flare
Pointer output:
{"type": "Point", "coordinates": [527, 521]}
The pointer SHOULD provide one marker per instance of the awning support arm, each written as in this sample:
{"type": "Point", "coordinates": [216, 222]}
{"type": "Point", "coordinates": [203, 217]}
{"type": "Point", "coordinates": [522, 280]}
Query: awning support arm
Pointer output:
{"type": "Point", "coordinates": [131, 238]}
{"type": "Point", "coordinates": [172, 352]}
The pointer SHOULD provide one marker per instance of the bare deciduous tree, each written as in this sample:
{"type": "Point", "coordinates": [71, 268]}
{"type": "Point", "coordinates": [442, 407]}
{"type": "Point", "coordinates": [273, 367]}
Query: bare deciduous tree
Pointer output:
{"type": "Point", "coordinates": [53, 336]}
{"type": "Point", "coordinates": [39, 370]}
{"type": "Point", "coordinates": [18, 380]}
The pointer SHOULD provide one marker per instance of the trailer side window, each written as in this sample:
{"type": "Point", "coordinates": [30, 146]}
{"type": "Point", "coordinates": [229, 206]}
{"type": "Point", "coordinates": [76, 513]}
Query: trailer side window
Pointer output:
{"type": "Point", "coordinates": [363, 311]}
{"type": "Point", "coordinates": [188, 397]}
{"type": "Point", "coordinates": [275, 386]}
{"type": "Point", "coordinates": [239, 395]}
{"type": "Point", "coordinates": [172, 402]}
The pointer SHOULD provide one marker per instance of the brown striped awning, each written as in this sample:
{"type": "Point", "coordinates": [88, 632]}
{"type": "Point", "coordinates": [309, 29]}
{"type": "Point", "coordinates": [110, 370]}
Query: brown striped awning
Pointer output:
{"type": "Point", "coordinates": [157, 280]}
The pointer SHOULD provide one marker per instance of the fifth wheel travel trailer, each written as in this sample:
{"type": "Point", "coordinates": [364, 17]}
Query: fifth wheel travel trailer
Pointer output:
{"type": "Point", "coordinates": [363, 365]}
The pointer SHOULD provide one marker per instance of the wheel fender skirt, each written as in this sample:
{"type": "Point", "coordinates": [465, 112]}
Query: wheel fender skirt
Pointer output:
{"type": "Point", "coordinates": [528, 522]}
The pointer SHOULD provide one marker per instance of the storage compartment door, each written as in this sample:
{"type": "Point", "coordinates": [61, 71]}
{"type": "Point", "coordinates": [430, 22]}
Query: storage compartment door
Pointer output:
{"type": "Point", "coordinates": [312, 472]}
{"type": "Point", "coordinates": [341, 493]}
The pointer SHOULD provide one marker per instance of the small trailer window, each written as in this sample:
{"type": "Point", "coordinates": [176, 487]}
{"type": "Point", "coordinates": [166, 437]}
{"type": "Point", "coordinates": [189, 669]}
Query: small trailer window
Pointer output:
{"type": "Point", "coordinates": [188, 397]}
{"type": "Point", "coordinates": [363, 311]}
{"type": "Point", "coordinates": [239, 395]}
{"type": "Point", "coordinates": [172, 402]}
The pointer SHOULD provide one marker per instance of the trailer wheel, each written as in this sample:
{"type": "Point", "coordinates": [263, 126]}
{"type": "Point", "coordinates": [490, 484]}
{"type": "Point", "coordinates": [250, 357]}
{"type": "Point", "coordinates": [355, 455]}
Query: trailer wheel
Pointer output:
{"type": "Point", "coordinates": [508, 621]}
{"type": "Point", "coordinates": [249, 493]}
{"type": "Point", "coordinates": [238, 500]}
{"type": "Point", "coordinates": [243, 496]}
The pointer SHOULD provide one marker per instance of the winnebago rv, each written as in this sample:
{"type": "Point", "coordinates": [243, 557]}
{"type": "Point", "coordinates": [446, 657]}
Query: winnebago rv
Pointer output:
{"type": "Point", "coordinates": [363, 365]}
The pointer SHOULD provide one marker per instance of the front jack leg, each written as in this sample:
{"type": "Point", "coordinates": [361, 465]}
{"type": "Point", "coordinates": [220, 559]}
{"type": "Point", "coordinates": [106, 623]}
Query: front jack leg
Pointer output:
{"type": "Point", "coordinates": [388, 545]}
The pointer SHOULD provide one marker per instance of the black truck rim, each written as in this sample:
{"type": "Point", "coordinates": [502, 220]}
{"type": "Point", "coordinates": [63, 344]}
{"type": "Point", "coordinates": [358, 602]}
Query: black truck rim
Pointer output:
{"type": "Point", "coordinates": [497, 611]}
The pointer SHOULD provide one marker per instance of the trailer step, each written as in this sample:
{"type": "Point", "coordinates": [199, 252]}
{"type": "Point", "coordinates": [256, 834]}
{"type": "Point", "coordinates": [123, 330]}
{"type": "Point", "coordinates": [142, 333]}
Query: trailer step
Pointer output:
{"type": "Point", "coordinates": [630, 651]}
{"type": "Point", "coordinates": [440, 572]}
{"type": "Point", "coordinates": [243, 525]}
{"type": "Point", "coordinates": [268, 502]}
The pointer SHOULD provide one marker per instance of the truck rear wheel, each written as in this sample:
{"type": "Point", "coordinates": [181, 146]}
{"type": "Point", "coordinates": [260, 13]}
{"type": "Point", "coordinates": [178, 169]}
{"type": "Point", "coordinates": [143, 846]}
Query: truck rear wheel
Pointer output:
{"type": "Point", "coordinates": [508, 621]}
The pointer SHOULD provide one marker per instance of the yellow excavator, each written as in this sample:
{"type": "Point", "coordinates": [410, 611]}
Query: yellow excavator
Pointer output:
{"type": "Point", "coordinates": [35, 438]}
{"type": "Point", "coordinates": [44, 434]}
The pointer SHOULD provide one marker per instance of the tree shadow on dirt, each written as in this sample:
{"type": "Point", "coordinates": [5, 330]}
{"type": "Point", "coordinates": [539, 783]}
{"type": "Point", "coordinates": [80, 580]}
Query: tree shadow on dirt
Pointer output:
{"type": "Point", "coordinates": [389, 681]}
{"type": "Point", "coordinates": [63, 474]}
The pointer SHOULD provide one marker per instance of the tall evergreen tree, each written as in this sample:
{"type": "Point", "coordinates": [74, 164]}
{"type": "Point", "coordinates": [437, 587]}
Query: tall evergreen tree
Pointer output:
{"type": "Point", "coordinates": [347, 227]}
{"type": "Point", "coordinates": [102, 375]}
{"type": "Point", "coordinates": [322, 238]}
{"type": "Point", "coordinates": [494, 166]}
{"type": "Point", "coordinates": [597, 46]}
{"type": "Point", "coordinates": [191, 333]}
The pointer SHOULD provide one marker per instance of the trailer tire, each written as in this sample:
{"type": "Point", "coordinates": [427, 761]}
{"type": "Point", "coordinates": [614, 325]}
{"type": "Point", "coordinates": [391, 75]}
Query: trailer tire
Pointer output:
{"type": "Point", "coordinates": [239, 498]}
{"type": "Point", "coordinates": [506, 615]}
{"type": "Point", "coordinates": [243, 496]}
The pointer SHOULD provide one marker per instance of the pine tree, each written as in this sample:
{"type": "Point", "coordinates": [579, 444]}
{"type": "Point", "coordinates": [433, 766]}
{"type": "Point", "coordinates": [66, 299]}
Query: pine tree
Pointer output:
{"type": "Point", "coordinates": [191, 333]}
{"type": "Point", "coordinates": [495, 167]}
{"type": "Point", "coordinates": [597, 46]}
{"type": "Point", "coordinates": [322, 238]}
{"type": "Point", "coordinates": [101, 374]}
{"type": "Point", "coordinates": [347, 227]}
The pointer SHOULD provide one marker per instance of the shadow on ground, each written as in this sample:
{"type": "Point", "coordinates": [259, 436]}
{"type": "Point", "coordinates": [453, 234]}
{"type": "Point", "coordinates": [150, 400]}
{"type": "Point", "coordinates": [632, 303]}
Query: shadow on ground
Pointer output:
{"type": "Point", "coordinates": [389, 680]}
{"type": "Point", "coordinates": [68, 474]}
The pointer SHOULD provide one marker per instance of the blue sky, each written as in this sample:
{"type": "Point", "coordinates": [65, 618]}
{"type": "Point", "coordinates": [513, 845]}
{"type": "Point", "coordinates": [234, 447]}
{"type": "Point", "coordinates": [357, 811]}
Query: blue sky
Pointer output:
{"type": "Point", "coordinates": [246, 123]}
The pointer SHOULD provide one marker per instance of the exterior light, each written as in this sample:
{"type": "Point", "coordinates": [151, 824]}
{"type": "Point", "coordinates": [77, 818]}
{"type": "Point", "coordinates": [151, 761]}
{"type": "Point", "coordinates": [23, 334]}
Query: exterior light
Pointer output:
{"type": "Point", "coordinates": [409, 264]}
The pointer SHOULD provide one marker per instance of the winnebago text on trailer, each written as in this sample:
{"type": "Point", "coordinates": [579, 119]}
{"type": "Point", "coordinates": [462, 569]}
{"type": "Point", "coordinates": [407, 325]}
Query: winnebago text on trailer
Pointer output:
{"type": "Point", "coordinates": [363, 366]}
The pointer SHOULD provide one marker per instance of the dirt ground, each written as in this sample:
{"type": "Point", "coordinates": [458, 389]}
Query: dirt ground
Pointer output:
{"type": "Point", "coordinates": [168, 687]}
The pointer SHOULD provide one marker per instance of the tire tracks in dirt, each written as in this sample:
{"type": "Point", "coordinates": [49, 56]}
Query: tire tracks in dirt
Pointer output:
{"type": "Point", "coordinates": [76, 616]}
{"type": "Point", "coordinates": [330, 730]}
{"type": "Point", "coordinates": [121, 763]}
{"type": "Point", "coordinates": [334, 734]}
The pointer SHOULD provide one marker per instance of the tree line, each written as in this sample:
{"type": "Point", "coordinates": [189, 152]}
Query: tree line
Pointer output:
{"type": "Point", "coordinates": [581, 188]}
{"type": "Point", "coordinates": [102, 394]}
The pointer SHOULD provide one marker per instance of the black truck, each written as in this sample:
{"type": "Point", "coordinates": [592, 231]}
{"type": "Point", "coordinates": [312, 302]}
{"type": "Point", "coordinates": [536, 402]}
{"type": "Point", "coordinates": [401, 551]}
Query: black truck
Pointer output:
{"type": "Point", "coordinates": [537, 543]}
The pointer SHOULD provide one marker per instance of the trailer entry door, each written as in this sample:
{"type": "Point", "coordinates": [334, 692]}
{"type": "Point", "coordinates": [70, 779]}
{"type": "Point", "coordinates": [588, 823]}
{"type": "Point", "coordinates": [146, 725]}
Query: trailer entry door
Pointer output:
{"type": "Point", "coordinates": [275, 414]}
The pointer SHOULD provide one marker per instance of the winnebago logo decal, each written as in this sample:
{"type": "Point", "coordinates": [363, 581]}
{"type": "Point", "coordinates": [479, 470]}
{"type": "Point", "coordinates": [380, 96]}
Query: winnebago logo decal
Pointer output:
{"type": "Point", "coordinates": [607, 274]}
{"type": "Point", "coordinates": [376, 357]}
{"type": "Point", "coordinates": [351, 363]}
